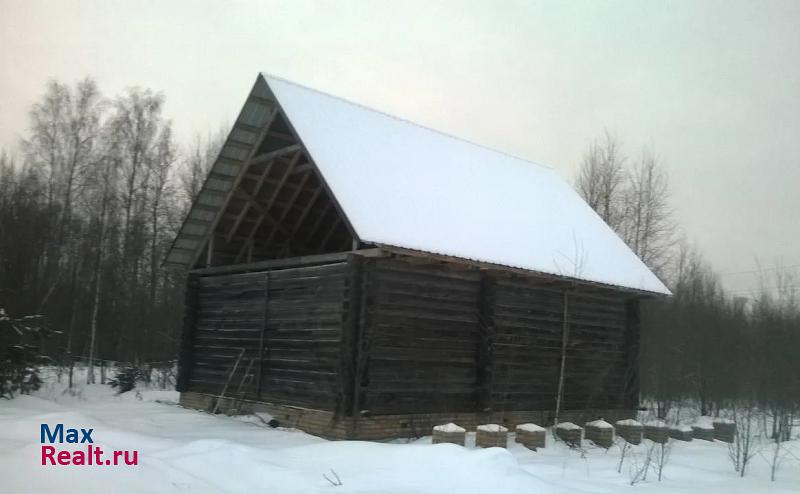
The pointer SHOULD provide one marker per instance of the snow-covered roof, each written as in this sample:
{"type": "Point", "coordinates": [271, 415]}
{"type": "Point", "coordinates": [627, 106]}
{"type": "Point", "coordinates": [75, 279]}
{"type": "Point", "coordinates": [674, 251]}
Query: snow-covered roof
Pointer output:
{"type": "Point", "coordinates": [402, 185]}
{"type": "Point", "coordinates": [405, 185]}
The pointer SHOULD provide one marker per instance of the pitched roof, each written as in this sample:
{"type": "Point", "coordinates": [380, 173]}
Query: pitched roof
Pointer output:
{"type": "Point", "coordinates": [404, 185]}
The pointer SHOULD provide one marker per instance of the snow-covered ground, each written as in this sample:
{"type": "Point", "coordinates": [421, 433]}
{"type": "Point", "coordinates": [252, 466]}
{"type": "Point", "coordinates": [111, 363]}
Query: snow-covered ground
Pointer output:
{"type": "Point", "coordinates": [185, 451]}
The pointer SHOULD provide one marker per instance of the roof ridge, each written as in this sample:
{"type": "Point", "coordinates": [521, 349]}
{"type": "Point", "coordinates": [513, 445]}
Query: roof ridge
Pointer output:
{"type": "Point", "coordinates": [267, 75]}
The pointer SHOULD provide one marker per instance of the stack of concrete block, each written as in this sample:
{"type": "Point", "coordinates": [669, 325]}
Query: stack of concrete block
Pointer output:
{"type": "Point", "coordinates": [724, 430]}
{"type": "Point", "coordinates": [630, 430]}
{"type": "Point", "coordinates": [656, 431]}
{"type": "Point", "coordinates": [600, 432]}
{"type": "Point", "coordinates": [491, 435]}
{"type": "Point", "coordinates": [569, 433]}
{"type": "Point", "coordinates": [703, 429]}
{"type": "Point", "coordinates": [449, 433]}
{"type": "Point", "coordinates": [680, 432]}
{"type": "Point", "coordinates": [531, 436]}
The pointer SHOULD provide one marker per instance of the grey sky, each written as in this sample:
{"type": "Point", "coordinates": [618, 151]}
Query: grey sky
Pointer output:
{"type": "Point", "coordinates": [713, 87]}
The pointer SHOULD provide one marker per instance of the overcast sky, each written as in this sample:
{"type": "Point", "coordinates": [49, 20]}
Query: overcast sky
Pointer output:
{"type": "Point", "coordinates": [713, 87]}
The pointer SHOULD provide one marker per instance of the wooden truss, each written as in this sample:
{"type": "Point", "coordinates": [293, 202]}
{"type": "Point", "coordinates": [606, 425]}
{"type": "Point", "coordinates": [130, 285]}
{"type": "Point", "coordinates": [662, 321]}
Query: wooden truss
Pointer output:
{"type": "Point", "coordinates": [277, 206]}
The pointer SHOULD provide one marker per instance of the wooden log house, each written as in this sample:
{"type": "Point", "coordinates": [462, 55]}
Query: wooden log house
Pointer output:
{"type": "Point", "coordinates": [359, 276]}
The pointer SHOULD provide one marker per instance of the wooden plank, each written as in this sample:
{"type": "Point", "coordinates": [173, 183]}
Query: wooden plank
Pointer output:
{"type": "Point", "coordinates": [632, 331]}
{"type": "Point", "coordinates": [250, 202]}
{"type": "Point", "coordinates": [269, 204]}
{"type": "Point", "coordinates": [485, 357]}
{"type": "Point", "coordinates": [262, 336]}
{"type": "Point", "coordinates": [242, 171]}
{"type": "Point", "coordinates": [286, 263]}
{"type": "Point", "coordinates": [263, 158]}
{"type": "Point", "coordinates": [187, 334]}
{"type": "Point", "coordinates": [288, 208]}
{"type": "Point", "coordinates": [351, 334]}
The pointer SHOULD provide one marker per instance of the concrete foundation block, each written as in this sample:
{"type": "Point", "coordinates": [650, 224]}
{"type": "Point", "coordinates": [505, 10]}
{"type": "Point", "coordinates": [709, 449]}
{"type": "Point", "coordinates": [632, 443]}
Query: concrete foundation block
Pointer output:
{"type": "Point", "coordinates": [630, 430]}
{"type": "Point", "coordinates": [569, 433]}
{"type": "Point", "coordinates": [491, 436]}
{"type": "Point", "coordinates": [449, 433]}
{"type": "Point", "coordinates": [656, 431]}
{"type": "Point", "coordinates": [531, 436]}
{"type": "Point", "coordinates": [724, 430]}
{"type": "Point", "coordinates": [600, 432]}
{"type": "Point", "coordinates": [681, 432]}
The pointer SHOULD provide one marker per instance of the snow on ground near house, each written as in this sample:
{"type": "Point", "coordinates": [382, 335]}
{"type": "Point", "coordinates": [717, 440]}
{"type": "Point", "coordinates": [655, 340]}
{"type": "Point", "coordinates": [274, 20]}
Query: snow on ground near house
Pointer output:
{"type": "Point", "coordinates": [186, 451]}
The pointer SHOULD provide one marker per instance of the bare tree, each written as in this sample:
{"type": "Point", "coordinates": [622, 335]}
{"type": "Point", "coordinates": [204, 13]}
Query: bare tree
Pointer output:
{"type": "Point", "coordinates": [135, 127]}
{"type": "Point", "coordinates": [64, 127]}
{"type": "Point", "coordinates": [635, 203]}
{"type": "Point", "coordinates": [161, 166]}
{"type": "Point", "coordinates": [602, 177]}
{"type": "Point", "coordinates": [199, 159]}
{"type": "Point", "coordinates": [745, 444]}
{"type": "Point", "coordinates": [647, 224]}
{"type": "Point", "coordinates": [105, 176]}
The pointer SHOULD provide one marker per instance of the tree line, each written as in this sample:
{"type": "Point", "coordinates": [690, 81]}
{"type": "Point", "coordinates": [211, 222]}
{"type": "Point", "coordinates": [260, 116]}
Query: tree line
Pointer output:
{"type": "Point", "coordinates": [89, 204]}
{"type": "Point", "coordinates": [702, 346]}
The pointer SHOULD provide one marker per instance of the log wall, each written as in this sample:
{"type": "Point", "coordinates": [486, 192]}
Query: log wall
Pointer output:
{"type": "Point", "coordinates": [443, 337]}
{"type": "Point", "coordinates": [287, 321]}
{"type": "Point", "coordinates": [372, 336]}
{"type": "Point", "coordinates": [528, 320]}
{"type": "Point", "coordinates": [421, 338]}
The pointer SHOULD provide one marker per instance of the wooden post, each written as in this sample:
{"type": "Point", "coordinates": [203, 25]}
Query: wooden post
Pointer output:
{"type": "Point", "coordinates": [564, 340]}
{"type": "Point", "coordinates": [351, 330]}
{"type": "Point", "coordinates": [262, 337]}
{"type": "Point", "coordinates": [361, 346]}
{"type": "Point", "coordinates": [485, 376]}
{"type": "Point", "coordinates": [187, 334]}
{"type": "Point", "coordinates": [210, 251]}
{"type": "Point", "coordinates": [632, 327]}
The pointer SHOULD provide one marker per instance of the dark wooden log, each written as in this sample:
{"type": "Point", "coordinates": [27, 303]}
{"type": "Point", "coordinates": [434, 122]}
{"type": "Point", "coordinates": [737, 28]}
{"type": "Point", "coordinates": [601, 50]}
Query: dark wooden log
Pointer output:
{"type": "Point", "coordinates": [262, 337]}
{"type": "Point", "coordinates": [350, 335]}
{"type": "Point", "coordinates": [187, 334]}
{"type": "Point", "coordinates": [421, 334]}
{"type": "Point", "coordinates": [632, 329]}
{"type": "Point", "coordinates": [485, 359]}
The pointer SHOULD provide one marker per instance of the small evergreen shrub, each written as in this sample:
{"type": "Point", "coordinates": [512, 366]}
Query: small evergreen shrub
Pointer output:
{"type": "Point", "coordinates": [127, 377]}
{"type": "Point", "coordinates": [20, 353]}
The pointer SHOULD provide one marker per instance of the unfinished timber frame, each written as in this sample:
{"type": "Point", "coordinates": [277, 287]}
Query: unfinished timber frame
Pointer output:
{"type": "Point", "coordinates": [289, 312]}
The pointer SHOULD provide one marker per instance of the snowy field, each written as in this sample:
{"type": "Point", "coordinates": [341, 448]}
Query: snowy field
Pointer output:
{"type": "Point", "coordinates": [186, 451]}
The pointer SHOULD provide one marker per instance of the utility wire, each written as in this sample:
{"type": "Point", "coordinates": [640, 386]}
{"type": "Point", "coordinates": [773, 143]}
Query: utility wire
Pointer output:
{"type": "Point", "coordinates": [729, 273]}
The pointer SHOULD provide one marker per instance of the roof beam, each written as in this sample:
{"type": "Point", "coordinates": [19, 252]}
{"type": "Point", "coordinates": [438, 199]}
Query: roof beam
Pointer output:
{"type": "Point", "coordinates": [246, 207]}
{"type": "Point", "coordinates": [318, 222]}
{"type": "Point", "coordinates": [271, 201]}
{"type": "Point", "coordinates": [261, 158]}
{"type": "Point", "coordinates": [306, 209]}
{"type": "Point", "coordinates": [247, 163]}
{"type": "Point", "coordinates": [328, 235]}
{"type": "Point", "coordinates": [282, 136]}
{"type": "Point", "coordinates": [262, 100]}
{"type": "Point", "coordinates": [289, 204]}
